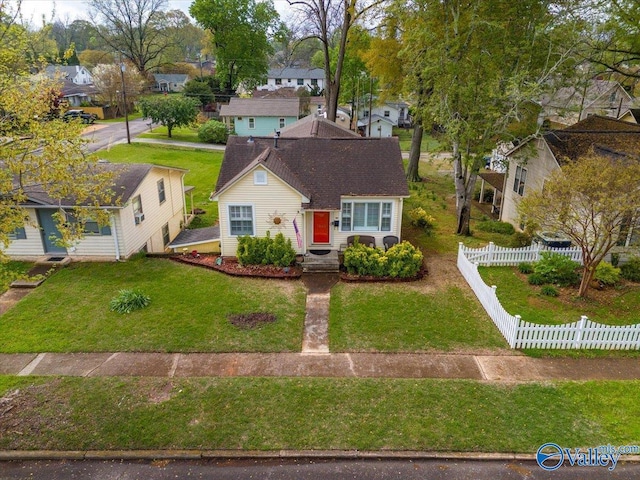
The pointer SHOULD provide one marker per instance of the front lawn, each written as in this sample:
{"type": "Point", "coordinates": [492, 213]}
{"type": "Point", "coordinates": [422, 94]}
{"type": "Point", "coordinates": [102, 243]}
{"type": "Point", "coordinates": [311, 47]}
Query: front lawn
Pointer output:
{"type": "Point", "coordinates": [613, 306]}
{"type": "Point", "coordinates": [188, 311]}
{"type": "Point", "coordinates": [402, 318]}
{"type": "Point", "coordinates": [313, 413]}
{"type": "Point", "coordinates": [182, 134]}
{"type": "Point", "coordinates": [203, 166]}
{"type": "Point", "coordinates": [429, 143]}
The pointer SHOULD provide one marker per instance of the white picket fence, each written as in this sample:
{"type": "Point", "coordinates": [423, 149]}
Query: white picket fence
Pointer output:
{"type": "Point", "coordinates": [493, 255]}
{"type": "Point", "coordinates": [521, 334]}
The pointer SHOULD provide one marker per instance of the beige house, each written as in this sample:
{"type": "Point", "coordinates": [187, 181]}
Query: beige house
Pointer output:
{"type": "Point", "coordinates": [317, 191]}
{"type": "Point", "coordinates": [151, 212]}
{"type": "Point", "coordinates": [532, 162]}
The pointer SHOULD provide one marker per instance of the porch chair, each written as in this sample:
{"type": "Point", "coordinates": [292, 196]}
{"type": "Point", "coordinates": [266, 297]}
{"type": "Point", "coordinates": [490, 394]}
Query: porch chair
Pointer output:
{"type": "Point", "coordinates": [389, 241]}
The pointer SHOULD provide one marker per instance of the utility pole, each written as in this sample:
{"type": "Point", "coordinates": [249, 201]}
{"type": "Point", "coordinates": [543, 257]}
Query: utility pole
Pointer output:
{"type": "Point", "coordinates": [124, 99]}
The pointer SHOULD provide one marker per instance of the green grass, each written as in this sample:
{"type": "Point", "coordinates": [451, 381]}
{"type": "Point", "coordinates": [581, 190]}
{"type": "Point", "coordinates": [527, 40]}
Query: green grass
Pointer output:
{"type": "Point", "coordinates": [203, 166]}
{"type": "Point", "coordinates": [520, 298]}
{"type": "Point", "coordinates": [316, 413]}
{"type": "Point", "coordinates": [188, 311]}
{"type": "Point", "coordinates": [182, 134]}
{"type": "Point", "coordinates": [401, 318]}
{"type": "Point", "coordinates": [429, 143]}
{"type": "Point", "coordinates": [132, 116]}
{"type": "Point", "coordinates": [10, 271]}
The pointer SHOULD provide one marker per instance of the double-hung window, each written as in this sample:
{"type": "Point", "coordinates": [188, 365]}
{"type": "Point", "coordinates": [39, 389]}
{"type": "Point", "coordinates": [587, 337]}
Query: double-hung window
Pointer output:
{"type": "Point", "coordinates": [366, 216]}
{"type": "Point", "coordinates": [162, 196]}
{"type": "Point", "coordinates": [521, 178]}
{"type": "Point", "coordinates": [241, 220]}
{"type": "Point", "coordinates": [282, 122]}
{"type": "Point", "coordinates": [252, 123]}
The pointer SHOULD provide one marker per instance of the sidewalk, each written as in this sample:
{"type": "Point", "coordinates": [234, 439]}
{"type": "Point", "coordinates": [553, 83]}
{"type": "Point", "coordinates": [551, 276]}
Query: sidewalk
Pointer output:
{"type": "Point", "coordinates": [178, 143]}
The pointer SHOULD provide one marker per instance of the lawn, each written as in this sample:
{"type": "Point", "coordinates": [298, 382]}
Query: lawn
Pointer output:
{"type": "Point", "coordinates": [188, 311]}
{"type": "Point", "coordinates": [402, 318]}
{"type": "Point", "coordinates": [429, 143]}
{"type": "Point", "coordinates": [182, 134]}
{"type": "Point", "coordinates": [314, 413]}
{"type": "Point", "coordinates": [614, 306]}
{"type": "Point", "coordinates": [203, 166]}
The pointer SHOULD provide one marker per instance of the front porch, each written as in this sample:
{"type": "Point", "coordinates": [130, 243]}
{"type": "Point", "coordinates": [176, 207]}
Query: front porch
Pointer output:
{"type": "Point", "coordinates": [320, 261]}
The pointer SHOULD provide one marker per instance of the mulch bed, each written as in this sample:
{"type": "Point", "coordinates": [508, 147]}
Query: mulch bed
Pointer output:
{"type": "Point", "coordinates": [348, 277]}
{"type": "Point", "coordinates": [230, 266]}
{"type": "Point", "coordinates": [251, 320]}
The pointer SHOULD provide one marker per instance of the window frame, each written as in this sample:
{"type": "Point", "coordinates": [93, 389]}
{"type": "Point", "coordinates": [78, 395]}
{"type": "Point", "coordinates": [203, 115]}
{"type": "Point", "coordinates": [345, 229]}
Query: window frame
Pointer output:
{"type": "Point", "coordinates": [278, 81]}
{"type": "Point", "coordinates": [166, 235]}
{"type": "Point", "coordinates": [349, 217]}
{"type": "Point", "coordinates": [520, 180]}
{"type": "Point", "coordinates": [300, 82]}
{"type": "Point", "coordinates": [282, 122]}
{"type": "Point", "coordinates": [260, 177]}
{"type": "Point", "coordinates": [162, 193]}
{"type": "Point", "coordinates": [251, 122]}
{"type": "Point", "coordinates": [230, 219]}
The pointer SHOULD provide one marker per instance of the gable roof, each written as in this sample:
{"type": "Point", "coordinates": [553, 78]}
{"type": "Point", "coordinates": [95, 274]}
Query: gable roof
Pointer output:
{"type": "Point", "coordinates": [288, 72]}
{"type": "Point", "coordinates": [322, 169]}
{"type": "Point", "coordinates": [363, 122]}
{"type": "Point", "coordinates": [261, 107]}
{"type": "Point", "coordinates": [574, 97]}
{"type": "Point", "coordinates": [604, 134]}
{"type": "Point", "coordinates": [170, 77]}
{"type": "Point", "coordinates": [127, 180]}
{"type": "Point", "coordinates": [63, 70]}
{"type": "Point", "coordinates": [314, 126]}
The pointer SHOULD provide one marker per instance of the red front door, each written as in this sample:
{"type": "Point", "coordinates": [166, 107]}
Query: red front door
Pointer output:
{"type": "Point", "coordinates": [320, 227]}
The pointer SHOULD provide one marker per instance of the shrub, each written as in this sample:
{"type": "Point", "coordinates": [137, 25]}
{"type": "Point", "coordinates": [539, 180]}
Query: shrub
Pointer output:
{"type": "Point", "coordinates": [129, 300]}
{"type": "Point", "coordinates": [493, 226]}
{"type": "Point", "coordinates": [607, 273]}
{"type": "Point", "coordinates": [402, 260]}
{"type": "Point", "coordinates": [520, 239]}
{"type": "Point", "coordinates": [525, 268]}
{"type": "Point", "coordinates": [280, 252]}
{"type": "Point", "coordinates": [549, 291]}
{"type": "Point", "coordinates": [558, 269]}
{"type": "Point", "coordinates": [213, 132]}
{"type": "Point", "coordinates": [536, 279]}
{"type": "Point", "coordinates": [420, 218]}
{"type": "Point", "coordinates": [631, 269]}
{"type": "Point", "coordinates": [276, 251]}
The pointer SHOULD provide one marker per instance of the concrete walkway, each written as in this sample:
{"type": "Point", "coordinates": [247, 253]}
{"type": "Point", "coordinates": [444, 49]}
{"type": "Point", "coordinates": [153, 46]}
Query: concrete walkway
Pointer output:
{"type": "Point", "coordinates": [492, 368]}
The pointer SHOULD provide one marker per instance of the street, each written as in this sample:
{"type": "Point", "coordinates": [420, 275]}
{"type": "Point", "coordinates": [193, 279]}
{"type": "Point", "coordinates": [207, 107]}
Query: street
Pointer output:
{"type": "Point", "coordinates": [104, 135]}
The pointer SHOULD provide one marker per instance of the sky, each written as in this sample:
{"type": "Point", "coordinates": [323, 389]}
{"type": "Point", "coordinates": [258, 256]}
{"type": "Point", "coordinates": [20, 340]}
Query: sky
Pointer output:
{"type": "Point", "coordinates": [77, 9]}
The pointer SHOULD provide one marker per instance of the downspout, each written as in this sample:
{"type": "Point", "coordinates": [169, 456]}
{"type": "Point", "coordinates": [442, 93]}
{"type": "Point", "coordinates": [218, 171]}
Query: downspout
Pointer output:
{"type": "Point", "coordinates": [114, 232]}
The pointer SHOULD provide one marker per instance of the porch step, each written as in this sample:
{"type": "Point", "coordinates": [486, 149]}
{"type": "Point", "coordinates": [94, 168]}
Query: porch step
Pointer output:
{"type": "Point", "coordinates": [321, 263]}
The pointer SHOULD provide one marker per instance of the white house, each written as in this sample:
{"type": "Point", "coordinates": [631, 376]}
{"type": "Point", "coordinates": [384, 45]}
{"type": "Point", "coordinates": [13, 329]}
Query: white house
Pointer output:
{"type": "Point", "coordinates": [150, 214]}
{"type": "Point", "coordinates": [74, 73]}
{"type": "Point", "coordinates": [169, 82]}
{"type": "Point", "coordinates": [309, 78]}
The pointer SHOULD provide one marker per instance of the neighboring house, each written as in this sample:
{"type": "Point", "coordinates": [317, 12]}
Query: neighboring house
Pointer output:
{"type": "Point", "coordinates": [316, 126]}
{"type": "Point", "coordinates": [77, 95]}
{"type": "Point", "coordinates": [376, 126]}
{"type": "Point", "coordinates": [569, 105]}
{"type": "Point", "coordinates": [631, 115]}
{"type": "Point", "coordinates": [395, 112]}
{"type": "Point", "coordinates": [260, 116]}
{"type": "Point", "coordinates": [75, 73]}
{"type": "Point", "coordinates": [328, 188]}
{"type": "Point", "coordinates": [532, 162]}
{"type": "Point", "coordinates": [169, 82]}
{"type": "Point", "coordinates": [150, 214]}
{"type": "Point", "coordinates": [309, 78]}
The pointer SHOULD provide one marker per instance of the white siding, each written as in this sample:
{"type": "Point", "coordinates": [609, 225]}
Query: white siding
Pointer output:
{"type": "Point", "coordinates": [539, 164]}
{"type": "Point", "coordinates": [149, 232]}
{"type": "Point", "coordinates": [31, 246]}
{"type": "Point", "coordinates": [266, 200]}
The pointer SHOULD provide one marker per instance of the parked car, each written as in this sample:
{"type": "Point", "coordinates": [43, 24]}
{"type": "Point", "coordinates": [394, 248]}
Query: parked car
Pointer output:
{"type": "Point", "coordinates": [81, 114]}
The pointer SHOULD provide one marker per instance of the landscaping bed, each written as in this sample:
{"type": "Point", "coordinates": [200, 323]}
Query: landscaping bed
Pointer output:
{"type": "Point", "coordinates": [231, 266]}
{"type": "Point", "coordinates": [351, 277]}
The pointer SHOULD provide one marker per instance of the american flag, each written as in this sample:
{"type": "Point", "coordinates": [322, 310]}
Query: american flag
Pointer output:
{"type": "Point", "coordinates": [298, 236]}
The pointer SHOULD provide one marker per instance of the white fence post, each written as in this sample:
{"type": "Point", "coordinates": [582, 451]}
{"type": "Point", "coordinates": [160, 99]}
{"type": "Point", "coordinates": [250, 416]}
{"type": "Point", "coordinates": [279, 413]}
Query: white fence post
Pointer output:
{"type": "Point", "coordinates": [580, 331]}
{"type": "Point", "coordinates": [492, 248]}
{"type": "Point", "coordinates": [514, 337]}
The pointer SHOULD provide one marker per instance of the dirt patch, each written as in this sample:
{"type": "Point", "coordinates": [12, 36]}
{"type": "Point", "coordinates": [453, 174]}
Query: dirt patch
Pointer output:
{"type": "Point", "coordinates": [248, 321]}
{"type": "Point", "coordinates": [161, 393]}
{"type": "Point", "coordinates": [231, 266]}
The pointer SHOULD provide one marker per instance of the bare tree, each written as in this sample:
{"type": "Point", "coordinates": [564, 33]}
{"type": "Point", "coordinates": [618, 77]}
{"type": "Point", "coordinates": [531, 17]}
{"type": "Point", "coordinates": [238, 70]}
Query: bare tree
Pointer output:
{"type": "Point", "coordinates": [133, 28]}
{"type": "Point", "coordinates": [108, 80]}
{"type": "Point", "coordinates": [330, 21]}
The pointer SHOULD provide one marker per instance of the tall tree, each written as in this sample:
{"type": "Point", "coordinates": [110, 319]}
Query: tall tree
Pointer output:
{"type": "Point", "coordinates": [589, 201]}
{"type": "Point", "coordinates": [170, 110]}
{"type": "Point", "coordinates": [108, 80]}
{"type": "Point", "coordinates": [136, 29]}
{"type": "Point", "coordinates": [330, 22]}
{"type": "Point", "coordinates": [241, 31]}
{"type": "Point", "coordinates": [474, 65]}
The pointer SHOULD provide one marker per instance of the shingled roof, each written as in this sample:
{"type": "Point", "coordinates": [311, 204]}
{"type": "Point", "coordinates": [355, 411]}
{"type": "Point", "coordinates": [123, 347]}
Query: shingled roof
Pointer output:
{"type": "Point", "coordinates": [321, 169]}
{"type": "Point", "coordinates": [261, 107]}
{"type": "Point", "coordinates": [603, 134]}
{"type": "Point", "coordinates": [314, 126]}
{"type": "Point", "coordinates": [128, 178]}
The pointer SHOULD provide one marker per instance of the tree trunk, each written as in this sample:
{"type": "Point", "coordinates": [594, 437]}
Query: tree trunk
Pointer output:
{"type": "Point", "coordinates": [414, 154]}
{"type": "Point", "coordinates": [464, 190]}
{"type": "Point", "coordinates": [587, 276]}
{"type": "Point", "coordinates": [169, 128]}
